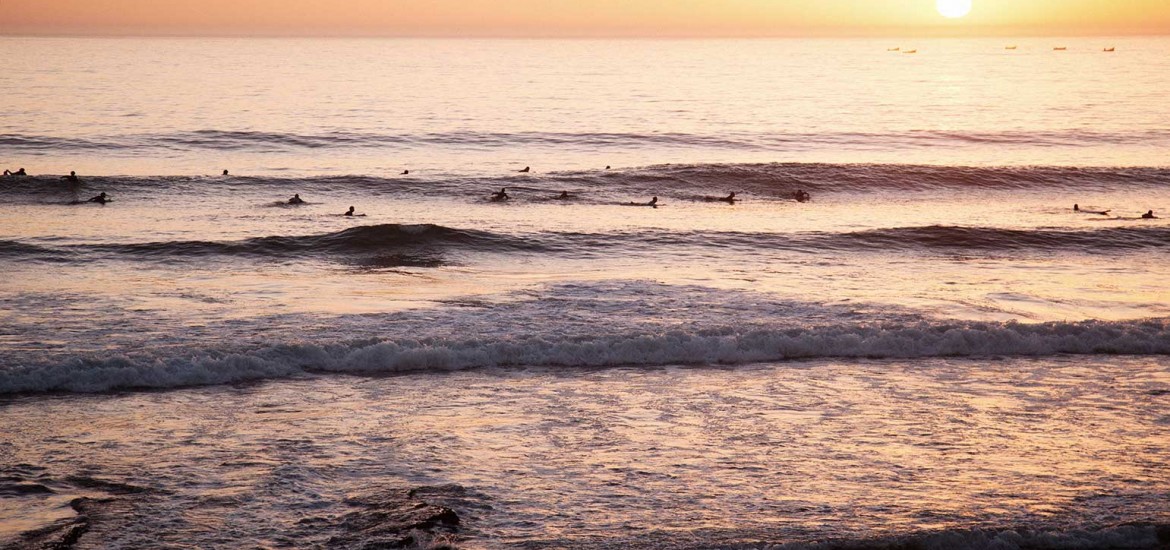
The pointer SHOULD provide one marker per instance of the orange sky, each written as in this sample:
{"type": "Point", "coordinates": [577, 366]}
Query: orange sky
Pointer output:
{"type": "Point", "coordinates": [579, 17]}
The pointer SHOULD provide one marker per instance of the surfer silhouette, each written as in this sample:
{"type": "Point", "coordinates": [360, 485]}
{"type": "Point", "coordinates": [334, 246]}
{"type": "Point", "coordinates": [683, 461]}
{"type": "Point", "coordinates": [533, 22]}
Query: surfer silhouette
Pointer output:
{"type": "Point", "coordinates": [526, 169]}
{"type": "Point", "coordinates": [729, 198]}
{"type": "Point", "coordinates": [502, 195]}
{"type": "Point", "coordinates": [801, 196]}
{"type": "Point", "coordinates": [653, 203]}
{"type": "Point", "coordinates": [18, 172]}
{"type": "Point", "coordinates": [72, 178]}
{"type": "Point", "coordinates": [100, 199]}
{"type": "Point", "coordinates": [351, 214]}
{"type": "Point", "coordinates": [1077, 208]}
{"type": "Point", "coordinates": [296, 199]}
{"type": "Point", "coordinates": [564, 195]}
{"type": "Point", "coordinates": [405, 173]}
{"type": "Point", "coordinates": [1149, 216]}
{"type": "Point", "coordinates": [225, 172]}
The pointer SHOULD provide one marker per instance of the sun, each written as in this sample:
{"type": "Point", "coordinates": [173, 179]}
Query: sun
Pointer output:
{"type": "Point", "coordinates": [954, 8]}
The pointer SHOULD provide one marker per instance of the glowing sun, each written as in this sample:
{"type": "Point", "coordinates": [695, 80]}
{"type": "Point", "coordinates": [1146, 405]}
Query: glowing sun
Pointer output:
{"type": "Point", "coordinates": [954, 8]}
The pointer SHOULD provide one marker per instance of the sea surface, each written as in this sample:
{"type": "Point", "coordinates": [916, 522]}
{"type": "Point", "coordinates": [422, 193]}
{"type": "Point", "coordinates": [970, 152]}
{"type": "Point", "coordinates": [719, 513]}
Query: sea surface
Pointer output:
{"type": "Point", "coordinates": [934, 351]}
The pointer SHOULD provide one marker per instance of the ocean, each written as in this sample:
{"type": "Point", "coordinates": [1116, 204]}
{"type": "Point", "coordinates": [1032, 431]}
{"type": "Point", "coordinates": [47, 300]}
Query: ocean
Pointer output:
{"type": "Point", "coordinates": [934, 350]}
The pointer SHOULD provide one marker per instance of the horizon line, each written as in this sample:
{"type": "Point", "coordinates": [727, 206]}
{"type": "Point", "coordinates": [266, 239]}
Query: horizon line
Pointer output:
{"type": "Point", "coordinates": [1006, 33]}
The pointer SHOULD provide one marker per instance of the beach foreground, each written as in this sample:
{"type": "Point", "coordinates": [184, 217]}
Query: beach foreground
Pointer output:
{"type": "Point", "coordinates": [1054, 453]}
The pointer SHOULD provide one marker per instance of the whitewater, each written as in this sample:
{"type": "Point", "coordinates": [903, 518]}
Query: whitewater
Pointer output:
{"type": "Point", "coordinates": [934, 351]}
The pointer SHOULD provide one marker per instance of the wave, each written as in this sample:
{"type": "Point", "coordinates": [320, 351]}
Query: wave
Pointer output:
{"type": "Point", "coordinates": [726, 347]}
{"type": "Point", "coordinates": [242, 140]}
{"type": "Point", "coordinates": [676, 182]}
{"type": "Point", "coordinates": [991, 238]}
{"type": "Point", "coordinates": [924, 238]}
{"type": "Point", "coordinates": [407, 245]}
{"type": "Point", "coordinates": [770, 179]}
{"type": "Point", "coordinates": [422, 245]}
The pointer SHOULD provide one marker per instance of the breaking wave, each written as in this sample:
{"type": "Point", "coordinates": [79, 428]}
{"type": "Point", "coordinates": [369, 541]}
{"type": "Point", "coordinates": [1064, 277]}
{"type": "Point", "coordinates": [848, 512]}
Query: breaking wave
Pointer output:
{"type": "Point", "coordinates": [723, 347]}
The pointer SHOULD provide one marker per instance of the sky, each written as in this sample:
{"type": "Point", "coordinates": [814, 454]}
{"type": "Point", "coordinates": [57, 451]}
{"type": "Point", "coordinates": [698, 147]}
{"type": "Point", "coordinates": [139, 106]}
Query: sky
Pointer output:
{"type": "Point", "coordinates": [579, 18]}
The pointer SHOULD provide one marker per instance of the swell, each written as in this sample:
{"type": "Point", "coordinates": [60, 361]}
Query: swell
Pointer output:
{"type": "Point", "coordinates": [355, 239]}
{"type": "Point", "coordinates": [675, 182]}
{"type": "Point", "coordinates": [899, 239]}
{"type": "Point", "coordinates": [989, 238]}
{"type": "Point", "coordinates": [434, 240]}
{"type": "Point", "coordinates": [926, 239]}
{"type": "Point", "coordinates": [727, 347]}
{"type": "Point", "coordinates": [384, 245]}
{"type": "Point", "coordinates": [260, 141]}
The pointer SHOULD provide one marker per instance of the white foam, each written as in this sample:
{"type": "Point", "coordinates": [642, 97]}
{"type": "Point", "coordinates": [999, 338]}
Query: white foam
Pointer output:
{"type": "Point", "coordinates": [652, 349]}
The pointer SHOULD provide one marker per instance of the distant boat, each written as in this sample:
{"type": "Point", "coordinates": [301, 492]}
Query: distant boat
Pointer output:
{"type": "Point", "coordinates": [1009, 47]}
{"type": "Point", "coordinates": [893, 49]}
{"type": "Point", "coordinates": [1060, 48]}
{"type": "Point", "coordinates": [909, 51]}
{"type": "Point", "coordinates": [1110, 49]}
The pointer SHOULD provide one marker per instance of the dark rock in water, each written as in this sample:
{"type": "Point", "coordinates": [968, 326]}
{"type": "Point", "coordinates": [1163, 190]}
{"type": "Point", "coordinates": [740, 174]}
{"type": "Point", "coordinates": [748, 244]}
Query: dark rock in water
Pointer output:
{"type": "Point", "coordinates": [397, 519]}
{"type": "Point", "coordinates": [60, 534]}
{"type": "Point", "coordinates": [25, 489]}
{"type": "Point", "coordinates": [1162, 531]}
{"type": "Point", "coordinates": [112, 487]}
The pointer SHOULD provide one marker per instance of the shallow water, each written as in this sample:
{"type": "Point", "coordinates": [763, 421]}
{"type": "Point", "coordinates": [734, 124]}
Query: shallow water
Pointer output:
{"type": "Point", "coordinates": [668, 457]}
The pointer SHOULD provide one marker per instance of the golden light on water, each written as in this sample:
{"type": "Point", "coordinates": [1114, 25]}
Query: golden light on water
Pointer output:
{"type": "Point", "coordinates": [954, 8]}
{"type": "Point", "coordinates": [571, 18]}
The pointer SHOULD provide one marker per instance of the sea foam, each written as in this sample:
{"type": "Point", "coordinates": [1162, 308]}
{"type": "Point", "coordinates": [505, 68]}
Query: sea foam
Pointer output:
{"type": "Point", "coordinates": [926, 340]}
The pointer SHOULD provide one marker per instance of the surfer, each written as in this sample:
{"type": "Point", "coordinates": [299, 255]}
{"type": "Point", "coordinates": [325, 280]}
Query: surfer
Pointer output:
{"type": "Point", "coordinates": [225, 172]}
{"type": "Point", "coordinates": [100, 199]}
{"type": "Point", "coordinates": [1077, 208]}
{"type": "Point", "coordinates": [526, 169]}
{"type": "Point", "coordinates": [607, 167]}
{"type": "Point", "coordinates": [296, 199]}
{"type": "Point", "coordinates": [1149, 216]}
{"type": "Point", "coordinates": [653, 203]}
{"type": "Point", "coordinates": [564, 196]}
{"type": "Point", "coordinates": [18, 172]}
{"type": "Point", "coordinates": [729, 199]}
{"type": "Point", "coordinates": [74, 185]}
{"type": "Point", "coordinates": [351, 214]}
{"type": "Point", "coordinates": [405, 173]}
{"type": "Point", "coordinates": [801, 196]}
{"type": "Point", "coordinates": [502, 195]}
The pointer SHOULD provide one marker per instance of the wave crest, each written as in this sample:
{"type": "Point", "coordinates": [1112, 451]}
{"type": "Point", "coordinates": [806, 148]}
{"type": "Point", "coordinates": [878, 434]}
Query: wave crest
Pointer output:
{"type": "Point", "coordinates": [959, 339]}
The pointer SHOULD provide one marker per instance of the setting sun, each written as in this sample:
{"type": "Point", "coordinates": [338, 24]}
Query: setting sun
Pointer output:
{"type": "Point", "coordinates": [954, 8]}
{"type": "Point", "coordinates": [643, 274]}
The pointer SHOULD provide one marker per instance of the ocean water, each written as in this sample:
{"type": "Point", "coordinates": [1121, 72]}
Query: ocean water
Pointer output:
{"type": "Point", "coordinates": [934, 351]}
